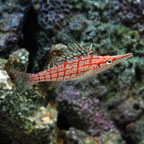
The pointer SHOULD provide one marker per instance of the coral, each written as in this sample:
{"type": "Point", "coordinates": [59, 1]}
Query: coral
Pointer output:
{"type": "Point", "coordinates": [53, 13]}
{"type": "Point", "coordinates": [78, 136]}
{"type": "Point", "coordinates": [110, 138]}
{"type": "Point", "coordinates": [82, 138]}
{"type": "Point", "coordinates": [114, 27]}
{"type": "Point", "coordinates": [128, 110]}
{"type": "Point", "coordinates": [77, 25]}
{"type": "Point", "coordinates": [135, 131]}
{"type": "Point", "coordinates": [11, 16]}
{"type": "Point", "coordinates": [131, 13]}
{"type": "Point", "coordinates": [25, 118]}
{"type": "Point", "coordinates": [83, 112]}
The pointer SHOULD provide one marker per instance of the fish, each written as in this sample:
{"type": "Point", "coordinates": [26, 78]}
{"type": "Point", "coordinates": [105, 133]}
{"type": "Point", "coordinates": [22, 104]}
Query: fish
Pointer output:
{"type": "Point", "coordinates": [76, 69]}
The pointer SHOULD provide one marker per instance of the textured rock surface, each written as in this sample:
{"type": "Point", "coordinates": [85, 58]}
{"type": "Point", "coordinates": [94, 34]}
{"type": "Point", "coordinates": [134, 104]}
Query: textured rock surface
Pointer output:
{"type": "Point", "coordinates": [108, 107]}
{"type": "Point", "coordinates": [131, 13]}
{"type": "Point", "coordinates": [74, 135]}
{"type": "Point", "coordinates": [135, 130]}
{"type": "Point", "coordinates": [84, 112]}
{"type": "Point", "coordinates": [53, 12]}
{"type": "Point", "coordinates": [12, 13]}
{"type": "Point", "coordinates": [25, 118]}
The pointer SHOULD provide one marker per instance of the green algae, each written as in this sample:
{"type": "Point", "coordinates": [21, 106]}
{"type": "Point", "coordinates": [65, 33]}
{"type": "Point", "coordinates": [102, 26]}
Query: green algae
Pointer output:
{"type": "Point", "coordinates": [2, 62]}
{"type": "Point", "coordinates": [111, 138]}
{"type": "Point", "coordinates": [109, 37]}
{"type": "Point", "coordinates": [26, 117]}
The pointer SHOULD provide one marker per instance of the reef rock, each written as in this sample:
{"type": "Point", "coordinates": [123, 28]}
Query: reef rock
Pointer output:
{"type": "Point", "coordinates": [82, 112]}
{"type": "Point", "coordinates": [135, 131]}
{"type": "Point", "coordinates": [52, 13]}
{"type": "Point", "coordinates": [25, 118]}
{"type": "Point", "coordinates": [12, 15]}
{"type": "Point", "coordinates": [130, 13]}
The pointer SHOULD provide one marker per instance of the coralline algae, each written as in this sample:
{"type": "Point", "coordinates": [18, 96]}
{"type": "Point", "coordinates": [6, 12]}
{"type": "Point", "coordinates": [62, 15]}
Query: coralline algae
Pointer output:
{"type": "Point", "coordinates": [109, 107]}
{"type": "Point", "coordinates": [131, 13]}
{"type": "Point", "coordinates": [86, 112]}
{"type": "Point", "coordinates": [24, 119]}
{"type": "Point", "coordinates": [11, 18]}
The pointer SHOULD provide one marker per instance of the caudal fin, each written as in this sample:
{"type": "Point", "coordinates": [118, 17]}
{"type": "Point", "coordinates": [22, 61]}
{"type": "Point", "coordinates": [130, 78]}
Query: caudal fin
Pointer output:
{"type": "Point", "coordinates": [23, 80]}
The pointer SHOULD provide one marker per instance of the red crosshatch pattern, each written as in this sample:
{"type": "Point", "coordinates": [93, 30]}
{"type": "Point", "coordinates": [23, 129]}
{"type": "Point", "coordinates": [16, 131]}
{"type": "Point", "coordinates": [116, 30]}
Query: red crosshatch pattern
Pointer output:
{"type": "Point", "coordinates": [76, 68]}
{"type": "Point", "coordinates": [68, 71]}
{"type": "Point", "coordinates": [80, 68]}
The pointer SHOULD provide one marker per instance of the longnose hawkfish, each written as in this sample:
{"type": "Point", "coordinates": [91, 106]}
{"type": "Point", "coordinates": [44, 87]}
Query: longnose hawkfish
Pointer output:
{"type": "Point", "coordinates": [76, 69]}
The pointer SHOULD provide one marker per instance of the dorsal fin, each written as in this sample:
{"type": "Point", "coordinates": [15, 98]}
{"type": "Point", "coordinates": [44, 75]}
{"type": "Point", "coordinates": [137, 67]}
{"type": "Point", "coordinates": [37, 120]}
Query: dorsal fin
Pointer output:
{"type": "Point", "coordinates": [61, 53]}
{"type": "Point", "coordinates": [76, 50]}
{"type": "Point", "coordinates": [54, 57]}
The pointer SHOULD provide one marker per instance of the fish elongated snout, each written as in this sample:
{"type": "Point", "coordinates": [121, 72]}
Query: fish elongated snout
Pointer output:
{"type": "Point", "coordinates": [123, 57]}
{"type": "Point", "coordinates": [120, 58]}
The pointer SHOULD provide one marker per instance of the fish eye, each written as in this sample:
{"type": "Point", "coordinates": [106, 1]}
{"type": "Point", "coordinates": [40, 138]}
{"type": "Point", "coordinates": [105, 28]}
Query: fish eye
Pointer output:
{"type": "Point", "coordinates": [109, 61]}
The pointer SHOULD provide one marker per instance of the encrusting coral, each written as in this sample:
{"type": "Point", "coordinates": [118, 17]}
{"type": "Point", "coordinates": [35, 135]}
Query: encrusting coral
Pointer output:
{"type": "Point", "coordinates": [53, 13]}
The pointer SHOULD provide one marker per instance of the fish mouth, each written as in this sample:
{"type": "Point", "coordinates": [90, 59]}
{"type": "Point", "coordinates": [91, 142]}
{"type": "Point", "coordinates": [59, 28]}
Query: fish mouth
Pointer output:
{"type": "Point", "coordinates": [120, 58]}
